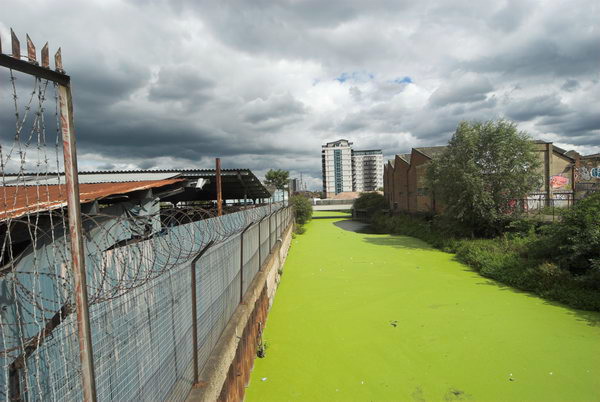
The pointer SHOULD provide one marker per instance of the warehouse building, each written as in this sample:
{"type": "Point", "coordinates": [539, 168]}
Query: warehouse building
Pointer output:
{"type": "Point", "coordinates": [406, 189]}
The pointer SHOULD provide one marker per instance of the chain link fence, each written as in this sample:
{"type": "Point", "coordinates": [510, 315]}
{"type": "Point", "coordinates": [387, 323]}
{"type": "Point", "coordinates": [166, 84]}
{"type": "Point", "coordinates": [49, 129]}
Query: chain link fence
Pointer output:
{"type": "Point", "coordinates": [140, 305]}
{"type": "Point", "coordinates": [139, 260]}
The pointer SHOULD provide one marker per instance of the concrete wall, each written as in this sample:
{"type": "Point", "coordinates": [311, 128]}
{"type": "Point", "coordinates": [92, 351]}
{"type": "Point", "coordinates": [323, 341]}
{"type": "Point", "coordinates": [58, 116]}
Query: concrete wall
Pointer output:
{"type": "Point", "coordinates": [227, 371]}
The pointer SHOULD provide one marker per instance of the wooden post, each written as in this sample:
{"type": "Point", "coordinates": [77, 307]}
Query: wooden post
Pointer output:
{"type": "Point", "coordinates": [218, 183]}
{"type": "Point", "coordinates": [73, 201]}
{"type": "Point", "coordinates": [76, 239]}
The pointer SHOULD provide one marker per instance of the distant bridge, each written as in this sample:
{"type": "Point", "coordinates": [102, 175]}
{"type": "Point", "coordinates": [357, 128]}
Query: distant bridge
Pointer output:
{"type": "Point", "coordinates": [332, 207]}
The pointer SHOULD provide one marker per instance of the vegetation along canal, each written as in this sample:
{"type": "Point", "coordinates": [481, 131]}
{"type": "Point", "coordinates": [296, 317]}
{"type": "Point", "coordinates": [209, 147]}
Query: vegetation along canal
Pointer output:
{"type": "Point", "coordinates": [378, 317]}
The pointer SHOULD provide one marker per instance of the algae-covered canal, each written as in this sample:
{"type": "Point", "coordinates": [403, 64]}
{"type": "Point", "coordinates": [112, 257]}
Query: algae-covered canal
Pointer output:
{"type": "Point", "coordinates": [365, 317]}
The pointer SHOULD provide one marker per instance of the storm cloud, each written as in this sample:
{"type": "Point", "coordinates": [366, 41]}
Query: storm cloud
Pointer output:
{"type": "Point", "coordinates": [263, 84]}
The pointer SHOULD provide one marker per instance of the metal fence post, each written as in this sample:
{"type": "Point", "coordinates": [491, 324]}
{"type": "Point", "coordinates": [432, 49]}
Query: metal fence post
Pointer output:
{"type": "Point", "coordinates": [76, 240]}
{"type": "Point", "coordinates": [242, 261]}
{"type": "Point", "coordinates": [195, 310]}
{"type": "Point", "coordinates": [260, 243]}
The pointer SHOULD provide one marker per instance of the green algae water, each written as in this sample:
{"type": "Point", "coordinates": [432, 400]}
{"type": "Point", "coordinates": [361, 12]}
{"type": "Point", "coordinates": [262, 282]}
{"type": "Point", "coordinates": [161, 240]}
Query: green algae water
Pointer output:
{"type": "Point", "coordinates": [365, 317]}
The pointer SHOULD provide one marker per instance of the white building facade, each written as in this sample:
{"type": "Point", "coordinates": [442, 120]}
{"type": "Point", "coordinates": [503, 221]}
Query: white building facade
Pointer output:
{"type": "Point", "coordinates": [367, 170]}
{"type": "Point", "coordinates": [345, 169]}
{"type": "Point", "coordinates": [336, 161]}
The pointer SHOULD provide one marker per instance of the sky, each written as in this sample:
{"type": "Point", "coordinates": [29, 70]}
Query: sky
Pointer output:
{"type": "Point", "coordinates": [263, 84]}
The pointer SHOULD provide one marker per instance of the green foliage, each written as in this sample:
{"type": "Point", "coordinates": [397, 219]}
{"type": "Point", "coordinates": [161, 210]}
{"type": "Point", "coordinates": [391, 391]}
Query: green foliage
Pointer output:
{"type": "Point", "coordinates": [371, 202]}
{"type": "Point", "coordinates": [431, 231]}
{"type": "Point", "coordinates": [574, 241]}
{"type": "Point", "coordinates": [302, 208]}
{"type": "Point", "coordinates": [299, 229]}
{"type": "Point", "coordinates": [277, 178]}
{"type": "Point", "coordinates": [484, 169]}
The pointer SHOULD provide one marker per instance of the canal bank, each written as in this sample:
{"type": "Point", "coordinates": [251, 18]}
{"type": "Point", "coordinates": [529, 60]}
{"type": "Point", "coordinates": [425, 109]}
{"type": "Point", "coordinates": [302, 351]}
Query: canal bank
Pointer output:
{"type": "Point", "coordinates": [377, 317]}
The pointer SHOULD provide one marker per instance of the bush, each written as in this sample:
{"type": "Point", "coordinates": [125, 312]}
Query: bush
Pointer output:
{"type": "Point", "coordinates": [437, 231]}
{"type": "Point", "coordinates": [371, 203]}
{"type": "Point", "coordinates": [299, 229]}
{"type": "Point", "coordinates": [302, 208]}
{"type": "Point", "coordinates": [574, 241]}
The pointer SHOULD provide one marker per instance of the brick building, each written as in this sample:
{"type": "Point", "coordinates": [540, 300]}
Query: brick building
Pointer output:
{"type": "Point", "coordinates": [405, 186]}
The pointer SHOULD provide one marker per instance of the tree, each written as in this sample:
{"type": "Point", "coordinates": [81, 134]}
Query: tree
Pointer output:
{"type": "Point", "coordinates": [483, 173]}
{"type": "Point", "coordinates": [277, 178]}
{"type": "Point", "coordinates": [370, 203]}
{"type": "Point", "coordinates": [302, 208]}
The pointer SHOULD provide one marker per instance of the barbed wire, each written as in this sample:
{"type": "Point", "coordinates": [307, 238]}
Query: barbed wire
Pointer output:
{"type": "Point", "coordinates": [136, 257]}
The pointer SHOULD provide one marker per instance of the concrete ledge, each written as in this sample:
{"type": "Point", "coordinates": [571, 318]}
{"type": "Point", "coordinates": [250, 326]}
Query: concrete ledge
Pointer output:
{"type": "Point", "coordinates": [214, 374]}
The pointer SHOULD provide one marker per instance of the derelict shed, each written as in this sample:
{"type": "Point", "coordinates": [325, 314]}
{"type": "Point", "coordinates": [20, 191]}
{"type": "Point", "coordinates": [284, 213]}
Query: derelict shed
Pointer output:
{"type": "Point", "coordinates": [192, 184]}
{"type": "Point", "coordinates": [114, 196]}
{"type": "Point", "coordinates": [198, 184]}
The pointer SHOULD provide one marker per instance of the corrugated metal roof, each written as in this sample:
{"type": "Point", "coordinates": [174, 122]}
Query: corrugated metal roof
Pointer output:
{"type": "Point", "coordinates": [236, 182]}
{"type": "Point", "coordinates": [88, 178]}
{"type": "Point", "coordinates": [18, 201]}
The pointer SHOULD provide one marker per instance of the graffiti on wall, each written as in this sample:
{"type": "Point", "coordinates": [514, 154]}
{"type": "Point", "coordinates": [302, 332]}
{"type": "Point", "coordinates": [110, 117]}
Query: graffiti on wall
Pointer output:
{"type": "Point", "coordinates": [584, 173]}
{"type": "Point", "coordinates": [559, 181]}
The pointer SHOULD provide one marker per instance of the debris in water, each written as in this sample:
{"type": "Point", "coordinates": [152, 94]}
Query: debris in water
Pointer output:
{"type": "Point", "coordinates": [394, 323]}
{"type": "Point", "coordinates": [264, 378]}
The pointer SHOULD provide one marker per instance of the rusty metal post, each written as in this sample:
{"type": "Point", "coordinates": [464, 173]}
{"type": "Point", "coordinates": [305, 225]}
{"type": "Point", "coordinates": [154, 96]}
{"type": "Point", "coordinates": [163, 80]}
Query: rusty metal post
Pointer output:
{"type": "Point", "coordinates": [242, 261]}
{"type": "Point", "coordinates": [218, 184]}
{"type": "Point", "coordinates": [195, 310]}
{"type": "Point", "coordinates": [76, 239]}
{"type": "Point", "coordinates": [260, 243]}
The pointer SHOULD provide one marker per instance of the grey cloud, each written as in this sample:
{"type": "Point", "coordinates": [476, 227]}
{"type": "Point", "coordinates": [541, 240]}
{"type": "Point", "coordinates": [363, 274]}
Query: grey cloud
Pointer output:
{"type": "Point", "coordinates": [276, 107]}
{"type": "Point", "coordinates": [584, 124]}
{"type": "Point", "coordinates": [355, 93]}
{"type": "Point", "coordinates": [570, 85]}
{"type": "Point", "coordinates": [543, 56]}
{"type": "Point", "coordinates": [511, 16]}
{"type": "Point", "coordinates": [467, 88]}
{"type": "Point", "coordinates": [530, 108]}
{"type": "Point", "coordinates": [105, 84]}
{"type": "Point", "coordinates": [181, 83]}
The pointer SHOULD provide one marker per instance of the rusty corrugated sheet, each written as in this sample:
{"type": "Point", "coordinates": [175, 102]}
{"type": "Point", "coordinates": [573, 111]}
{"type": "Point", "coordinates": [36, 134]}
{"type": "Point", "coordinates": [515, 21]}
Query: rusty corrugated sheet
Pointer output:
{"type": "Point", "coordinates": [19, 201]}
